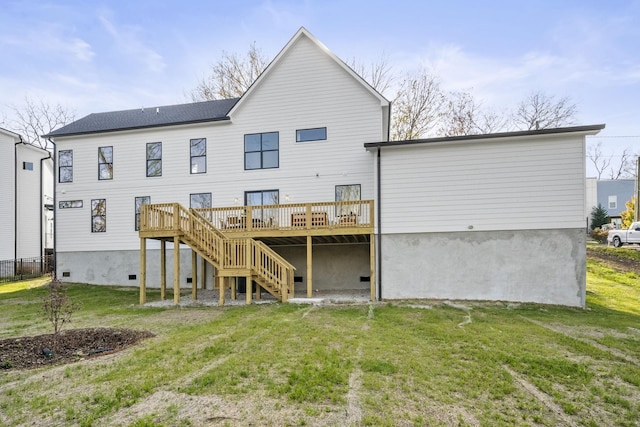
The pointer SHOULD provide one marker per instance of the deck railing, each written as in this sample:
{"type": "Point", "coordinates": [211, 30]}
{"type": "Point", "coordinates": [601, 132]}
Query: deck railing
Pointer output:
{"type": "Point", "coordinates": [292, 216]}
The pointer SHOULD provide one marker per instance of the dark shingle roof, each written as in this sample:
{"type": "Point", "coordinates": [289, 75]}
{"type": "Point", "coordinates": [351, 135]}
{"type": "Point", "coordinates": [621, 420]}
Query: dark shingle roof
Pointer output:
{"type": "Point", "coordinates": [166, 115]}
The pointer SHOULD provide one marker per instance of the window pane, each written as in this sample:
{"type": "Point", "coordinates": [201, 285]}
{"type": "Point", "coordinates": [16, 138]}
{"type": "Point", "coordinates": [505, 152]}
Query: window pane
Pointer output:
{"type": "Point", "coordinates": [106, 171]}
{"type": "Point", "coordinates": [254, 198]}
{"type": "Point", "coordinates": [198, 164]}
{"type": "Point", "coordinates": [98, 215]}
{"type": "Point", "coordinates": [252, 160]}
{"type": "Point", "coordinates": [270, 197]}
{"type": "Point", "coordinates": [65, 158]}
{"type": "Point", "coordinates": [198, 147]}
{"type": "Point", "coordinates": [99, 224]}
{"type": "Point", "coordinates": [66, 174]}
{"type": "Point", "coordinates": [105, 154]}
{"type": "Point", "coordinates": [252, 142]}
{"type": "Point", "coordinates": [270, 159]}
{"type": "Point", "coordinates": [311, 134]}
{"type": "Point", "coordinates": [200, 200]}
{"type": "Point", "coordinates": [270, 141]}
{"type": "Point", "coordinates": [154, 168]}
{"type": "Point", "coordinates": [154, 151]}
{"type": "Point", "coordinates": [145, 200]}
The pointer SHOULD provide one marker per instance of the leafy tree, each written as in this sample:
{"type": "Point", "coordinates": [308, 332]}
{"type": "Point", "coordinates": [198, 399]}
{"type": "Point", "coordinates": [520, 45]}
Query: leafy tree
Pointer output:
{"type": "Point", "coordinates": [231, 76]}
{"type": "Point", "coordinates": [541, 111]}
{"type": "Point", "coordinates": [599, 216]}
{"type": "Point", "coordinates": [627, 215]}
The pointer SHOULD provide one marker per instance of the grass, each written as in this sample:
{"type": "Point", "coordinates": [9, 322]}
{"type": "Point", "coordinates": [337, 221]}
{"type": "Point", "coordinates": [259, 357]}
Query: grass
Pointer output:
{"type": "Point", "coordinates": [383, 364]}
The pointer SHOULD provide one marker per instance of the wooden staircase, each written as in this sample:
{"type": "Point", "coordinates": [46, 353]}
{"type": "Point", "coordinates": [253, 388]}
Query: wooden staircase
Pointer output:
{"type": "Point", "coordinates": [232, 257]}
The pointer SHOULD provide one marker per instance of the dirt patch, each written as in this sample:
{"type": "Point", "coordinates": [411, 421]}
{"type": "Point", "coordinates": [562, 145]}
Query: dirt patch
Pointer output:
{"type": "Point", "coordinates": [614, 262]}
{"type": "Point", "coordinates": [70, 346]}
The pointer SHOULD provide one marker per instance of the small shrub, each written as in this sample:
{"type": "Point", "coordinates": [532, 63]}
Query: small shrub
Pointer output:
{"type": "Point", "coordinates": [599, 235]}
{"type": "Point", "coordinates": [57, 306]}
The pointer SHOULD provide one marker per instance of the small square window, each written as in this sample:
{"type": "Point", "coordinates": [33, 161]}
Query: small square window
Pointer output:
{"type": "Point", "coordinates": [28, 166]}
{"type": "Point", "coordinates": [261, 150]}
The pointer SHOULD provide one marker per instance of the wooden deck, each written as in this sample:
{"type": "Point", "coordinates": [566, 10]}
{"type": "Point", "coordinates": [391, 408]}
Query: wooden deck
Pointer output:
{"type": "Point", "coordinates": [219, 234]}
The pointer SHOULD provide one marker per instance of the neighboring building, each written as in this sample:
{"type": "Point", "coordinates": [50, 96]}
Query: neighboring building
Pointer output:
{"type": "Point", "coordinates": [26, 214]}
{"type": "Point", "coordinates": [613, 194]}
{"type": "Point", "coordinates": [301, 163]}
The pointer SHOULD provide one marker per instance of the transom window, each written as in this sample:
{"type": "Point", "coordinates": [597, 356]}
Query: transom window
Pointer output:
{"type": "Point", "coordinates": [154, 159]}
{"type": "Point", "coordinates": [70, 204]}
{"type": "Point", "coordinates": [65, 166]}
{"type": "Point", "coordinates": [199, 155]}
{"type": "Point", "coordinates": [105, 163]}
{"type": "Point", "coordinates": [315, 134]}
{"type": "Point", "coordinates": [144, 200]}
{"type": "Point", "coordinates": [261, 150]}
{"type": "Point", "coordinates": [98, 215]}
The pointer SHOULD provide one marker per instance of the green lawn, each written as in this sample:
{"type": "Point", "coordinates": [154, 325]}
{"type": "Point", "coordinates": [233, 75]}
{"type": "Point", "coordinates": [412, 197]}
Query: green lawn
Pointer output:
{"type": "Point", "coordinates": [381, 364]}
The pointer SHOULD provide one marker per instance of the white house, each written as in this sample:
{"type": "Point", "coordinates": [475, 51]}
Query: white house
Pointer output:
{"type": "Point", "coordinates": [26, 216]}
{"type": "Point", "coordinates": [300, 163]}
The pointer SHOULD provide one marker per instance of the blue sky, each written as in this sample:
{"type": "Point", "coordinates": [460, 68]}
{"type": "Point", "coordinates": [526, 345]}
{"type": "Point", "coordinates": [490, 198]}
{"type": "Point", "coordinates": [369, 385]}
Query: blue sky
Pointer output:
{"type": "Point", "coordinates": [109, 55]}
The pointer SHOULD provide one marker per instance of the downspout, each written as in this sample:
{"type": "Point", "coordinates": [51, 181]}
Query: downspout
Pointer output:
{"type": "Point", "coordinates": [15, 197]}
{"type": "Point", "coordinates": [379, 245]}
{"type": "Point", "coordinates": [55, 209]}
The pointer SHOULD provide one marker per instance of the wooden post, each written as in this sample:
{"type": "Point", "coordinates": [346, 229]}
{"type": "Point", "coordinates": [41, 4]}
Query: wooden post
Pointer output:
{"type": "Point", "coordinates": [258, 292]}
{"type": "Point", "coordinates": [249, 289]}
{"type": "Point", "coordinates": [309, 268]}
{"type": "Point", "coordinates": [194, 275]}
{"type": "Point", "coordinates": [163, 270]}
{"type": "Point", "coordinates": [248, 264]}
{"type": "Point", "coordinates": [309, 215]}
{"type": "Point", "coordinates": [220, 281]}
{"type": "Point", "coordinates": [143, 271]}
{"type": "Point", "coordinates": [372, 266]}
{"type": "Point", "coordinates": [176, 270]}
{"type": "Point", "coordinates": [203, 273]}
{"type": "Point", "coordinates": [234, 286]}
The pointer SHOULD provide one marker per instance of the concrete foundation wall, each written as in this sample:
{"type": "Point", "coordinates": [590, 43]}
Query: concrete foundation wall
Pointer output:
{"type": "Point", "coordinates": [542, 266]}
{"type": "Point", "coordinates": [335, 267]}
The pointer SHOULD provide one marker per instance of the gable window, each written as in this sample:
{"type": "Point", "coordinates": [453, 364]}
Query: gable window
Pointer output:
{"type": "Point", "coordinates": [144, 200]}
{"type": "Point", "coordinates": [105, 163]}
{"type": "Point", "coordinates": [199, 155]}
{"type": "Point", "coordinates": [65, 166]}
{"type": "Point", "coordinates": [346, 193]}
{"type": "Point", "coordinates": [613, 202]}
{"type": "Point", "coordinates": [28, 166]}
{"type": "Point", "coordinates": [154, 159]}
{"type": "Point", "coordinates": [261, 150]}
{"type": "Point", "coordinates": [315, 134]}
{"type": "Point", "coordinates": [70, 204]}
{"type": "Point", "coordinates": [200, 200]}
{"type": "Point", "coordinates": [98, 215]}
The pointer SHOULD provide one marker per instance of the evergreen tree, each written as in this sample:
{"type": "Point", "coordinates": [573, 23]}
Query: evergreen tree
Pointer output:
{"type": "Point", "coordinates": [599, 216]}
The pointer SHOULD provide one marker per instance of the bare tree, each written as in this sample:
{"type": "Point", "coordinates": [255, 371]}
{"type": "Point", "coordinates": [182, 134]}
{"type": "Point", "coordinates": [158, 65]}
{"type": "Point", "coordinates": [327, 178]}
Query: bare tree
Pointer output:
{"type": "Point", "coordinates": [418, 106]}
{"type": "Point", "coordinates": [231, 76]}
{"type": "Point", "coordinates": [35, 118]}
{"type": "Point", "coordinates": [608, 166]}
{"type": "Point", "coordinates": [379, 73]}
{"type": "Point", "coordinates": [599, 160]}
{"type": "Point", "coordinates": [540, 111]}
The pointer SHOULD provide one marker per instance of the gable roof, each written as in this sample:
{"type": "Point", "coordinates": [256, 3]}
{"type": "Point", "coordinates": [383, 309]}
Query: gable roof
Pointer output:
{"type": "Point", "coordinates": [9, 133]}
{"type": "Point", "coordinates": [587, 130]}
{"type": "Point", "coordinates": [302, 32]}
{"type": "Point", "coordinates": [167, 115]}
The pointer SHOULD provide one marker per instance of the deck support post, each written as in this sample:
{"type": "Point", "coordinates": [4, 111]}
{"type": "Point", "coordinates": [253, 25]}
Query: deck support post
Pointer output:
{"type": "Point", "coordinates": [163, 270]}
{"type": "Point", "coordinates": [220, 281]}
{"type": "Point", "coordinates": [309, 268]}
{"type": "Point", "coordinates": [372, 266]}
{"type": "Point", "coordinates": [249, 289]}
{"type": "Point", "coordinates": [258, 292]}
{"type": "Point", "coordinates": [234, 287]}
{"type": "Point", "coordinates": [194, 275]}
{"type": "Point", "coordinates": [203, 273]}
{"type": "Point", "coordinates": [143, 271]}
{"type": "Point", "coordinates": [176, 270]}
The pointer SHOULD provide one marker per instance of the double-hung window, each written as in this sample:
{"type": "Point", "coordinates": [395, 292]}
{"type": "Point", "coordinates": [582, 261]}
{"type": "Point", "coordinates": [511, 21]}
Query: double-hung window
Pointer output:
{"type": "Point", "coordinates": [199, 155]}
{"type": "Point", "coordinates": [154, 159]}
{"type": "Point", "coordinates": [65, 166]}
{"type": "Point", "coordinates": [105, 163]}
{"type": "Point", "coordinates": [261, 150]}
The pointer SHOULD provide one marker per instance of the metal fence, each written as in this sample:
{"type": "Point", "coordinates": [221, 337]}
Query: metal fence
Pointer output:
{"type": "Point", "coordinates": [12, 270]}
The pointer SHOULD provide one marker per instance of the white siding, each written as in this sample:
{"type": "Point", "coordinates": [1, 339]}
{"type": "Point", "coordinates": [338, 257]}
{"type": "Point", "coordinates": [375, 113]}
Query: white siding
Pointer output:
{"type": "Point", "coordinates": [508, 184]}
{"type": "Point", "coordinates": [306, 89]}
{"type": "Point", "coordinates": [7, 225]}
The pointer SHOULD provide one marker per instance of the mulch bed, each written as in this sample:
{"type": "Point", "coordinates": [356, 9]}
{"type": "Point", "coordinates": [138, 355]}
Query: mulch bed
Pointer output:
{"type": "Point", "coordinates": [70, 346]}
